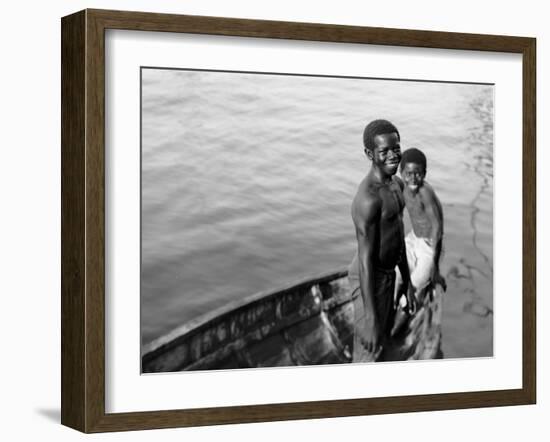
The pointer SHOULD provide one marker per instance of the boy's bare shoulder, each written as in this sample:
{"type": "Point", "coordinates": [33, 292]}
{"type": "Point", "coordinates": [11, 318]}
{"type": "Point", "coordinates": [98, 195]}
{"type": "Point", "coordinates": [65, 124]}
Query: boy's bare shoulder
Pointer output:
{"type": "Point", "coordinates": [367, 202]}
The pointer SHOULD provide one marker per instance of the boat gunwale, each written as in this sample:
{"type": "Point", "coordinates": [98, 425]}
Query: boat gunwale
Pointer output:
{"type": "Point", "coordinates": [207, 320]}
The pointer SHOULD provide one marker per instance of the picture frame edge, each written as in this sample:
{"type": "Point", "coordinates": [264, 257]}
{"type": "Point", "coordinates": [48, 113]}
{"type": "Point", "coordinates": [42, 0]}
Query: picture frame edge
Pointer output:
{"type": "Point", "coordinates": [83, 226]}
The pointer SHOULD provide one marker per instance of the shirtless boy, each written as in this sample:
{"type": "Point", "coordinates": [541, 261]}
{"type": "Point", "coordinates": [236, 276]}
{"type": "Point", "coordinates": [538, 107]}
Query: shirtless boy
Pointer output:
{"type": "Point", "coordinates": [423, 242]}
{"type": "Point", "coordinates": [377, 211]}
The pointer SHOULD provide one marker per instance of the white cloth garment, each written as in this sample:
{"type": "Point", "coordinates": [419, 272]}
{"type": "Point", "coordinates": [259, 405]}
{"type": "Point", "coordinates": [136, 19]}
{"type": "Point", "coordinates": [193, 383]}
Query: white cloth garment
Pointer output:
{"type": "Point", "coordinates": [420, 257]}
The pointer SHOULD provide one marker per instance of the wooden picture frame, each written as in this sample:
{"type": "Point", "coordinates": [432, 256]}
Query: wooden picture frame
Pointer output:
{"type": "Point", "coordinates": [83, 220]}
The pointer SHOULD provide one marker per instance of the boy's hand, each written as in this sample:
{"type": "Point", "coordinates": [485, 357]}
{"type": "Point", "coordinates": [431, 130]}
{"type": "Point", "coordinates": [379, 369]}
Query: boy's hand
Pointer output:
{"type": "Point", "coordinates": [438, 279]}
{"type": "Point", "coordinates": [401, 291]}
{"type": "Point", "coordinates": [411, 300]}
{"type": "Point", "coordinates": [372, 340]}
{"type": "Point", "coordinates": [408, 291]}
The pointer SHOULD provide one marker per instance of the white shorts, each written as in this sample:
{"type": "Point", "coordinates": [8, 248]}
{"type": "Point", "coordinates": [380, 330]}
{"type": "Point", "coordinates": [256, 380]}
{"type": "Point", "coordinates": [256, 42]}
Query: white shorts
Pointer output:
{"type": "Point", "coordinates": [420, 257]}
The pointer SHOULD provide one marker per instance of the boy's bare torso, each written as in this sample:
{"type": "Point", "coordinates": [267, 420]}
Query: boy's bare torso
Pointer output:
{"type": "Point", "coordinates": [417, 204]}
{"type": "Point", "coordinates": [389, 243]}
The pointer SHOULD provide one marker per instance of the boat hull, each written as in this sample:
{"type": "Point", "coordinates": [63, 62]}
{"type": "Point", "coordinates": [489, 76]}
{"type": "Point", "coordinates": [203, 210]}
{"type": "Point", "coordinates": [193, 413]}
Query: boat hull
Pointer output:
{"type": "Point", "coordinates": [308, 323]}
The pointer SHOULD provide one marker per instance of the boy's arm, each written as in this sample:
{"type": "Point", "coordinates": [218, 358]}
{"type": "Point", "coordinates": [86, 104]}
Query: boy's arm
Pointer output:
{"type": "Point", "coordinates": [406, 288]}
{"type": "Point", "coordinates": [433, 212]}
{"type": "Point", "coordinates": [366, 219]}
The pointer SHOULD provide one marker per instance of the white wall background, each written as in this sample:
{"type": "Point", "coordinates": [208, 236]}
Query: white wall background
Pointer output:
{"type": "Point", "coordinates": [30, 217]}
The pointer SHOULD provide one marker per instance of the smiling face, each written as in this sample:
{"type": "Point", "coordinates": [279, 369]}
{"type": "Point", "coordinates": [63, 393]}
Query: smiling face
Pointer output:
{"type": "Point", "coordinates": [386, 154]}
{"type": "Point", "coordinates": [413, 174]}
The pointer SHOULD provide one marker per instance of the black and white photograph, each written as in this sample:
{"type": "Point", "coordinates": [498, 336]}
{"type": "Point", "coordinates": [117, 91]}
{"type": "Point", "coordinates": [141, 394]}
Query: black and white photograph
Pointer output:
{"type": "Point", "coordinates": [298, 220]}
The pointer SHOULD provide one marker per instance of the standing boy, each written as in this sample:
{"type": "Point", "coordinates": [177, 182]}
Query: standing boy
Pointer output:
{"type": "Point", "coordinates": [424, 241]}
{"type": "Point", "coordinates": [377, 215]}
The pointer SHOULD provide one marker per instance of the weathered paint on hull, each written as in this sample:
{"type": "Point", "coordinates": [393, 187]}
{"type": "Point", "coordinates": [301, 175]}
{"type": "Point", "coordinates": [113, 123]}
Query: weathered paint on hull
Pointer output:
{"type": "Point", "coordinates": [308, 323]}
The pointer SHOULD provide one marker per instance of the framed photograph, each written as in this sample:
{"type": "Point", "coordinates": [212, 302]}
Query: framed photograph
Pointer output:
{"type": "Point", "coordinates": [271, 220]}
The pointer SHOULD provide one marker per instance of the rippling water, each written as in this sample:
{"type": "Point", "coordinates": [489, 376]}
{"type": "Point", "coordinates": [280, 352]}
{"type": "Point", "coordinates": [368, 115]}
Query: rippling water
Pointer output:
{"type": "Point", "coordinates": [247, 182]}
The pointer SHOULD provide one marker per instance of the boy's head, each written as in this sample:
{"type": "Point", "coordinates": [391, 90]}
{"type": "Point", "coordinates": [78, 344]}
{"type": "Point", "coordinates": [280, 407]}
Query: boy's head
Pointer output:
{"type": "Point", "coordinates": [413, 168]}
{"type": "Point", "coordinates": [382, 145]}
{"type": "Point", "coordinates": [375, 128]}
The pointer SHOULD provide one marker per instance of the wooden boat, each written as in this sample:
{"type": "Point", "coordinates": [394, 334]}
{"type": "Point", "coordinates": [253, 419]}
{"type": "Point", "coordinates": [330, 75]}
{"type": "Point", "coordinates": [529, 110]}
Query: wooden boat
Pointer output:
{"type": "Point", "coordinates": [308, 323]}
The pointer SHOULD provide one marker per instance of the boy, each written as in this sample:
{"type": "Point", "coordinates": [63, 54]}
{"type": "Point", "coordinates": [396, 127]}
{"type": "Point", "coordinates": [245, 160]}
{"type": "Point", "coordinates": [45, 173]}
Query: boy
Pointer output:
{"type": "Point", "coordinates": [377, 215]}
{"type": "Point", "coordinates": [424, 241]}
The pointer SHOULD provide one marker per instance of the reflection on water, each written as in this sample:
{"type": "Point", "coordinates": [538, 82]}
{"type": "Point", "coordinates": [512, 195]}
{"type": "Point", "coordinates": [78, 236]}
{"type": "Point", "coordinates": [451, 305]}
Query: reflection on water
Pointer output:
{"type": "Point", "coordinates": [247, 182]}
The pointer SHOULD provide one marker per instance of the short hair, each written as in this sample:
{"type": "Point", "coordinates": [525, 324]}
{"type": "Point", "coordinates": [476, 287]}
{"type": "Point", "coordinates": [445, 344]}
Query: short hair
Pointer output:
{"type": "Point", "coordinates": [377, 127]}
{"type": "Point", "coordinates": [413, 155]}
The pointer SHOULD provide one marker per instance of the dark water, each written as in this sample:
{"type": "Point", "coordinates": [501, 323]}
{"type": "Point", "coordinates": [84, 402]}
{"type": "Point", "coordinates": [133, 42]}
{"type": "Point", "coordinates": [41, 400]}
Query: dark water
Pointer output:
{"type": "Point", "coordinates": [247, 182]}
